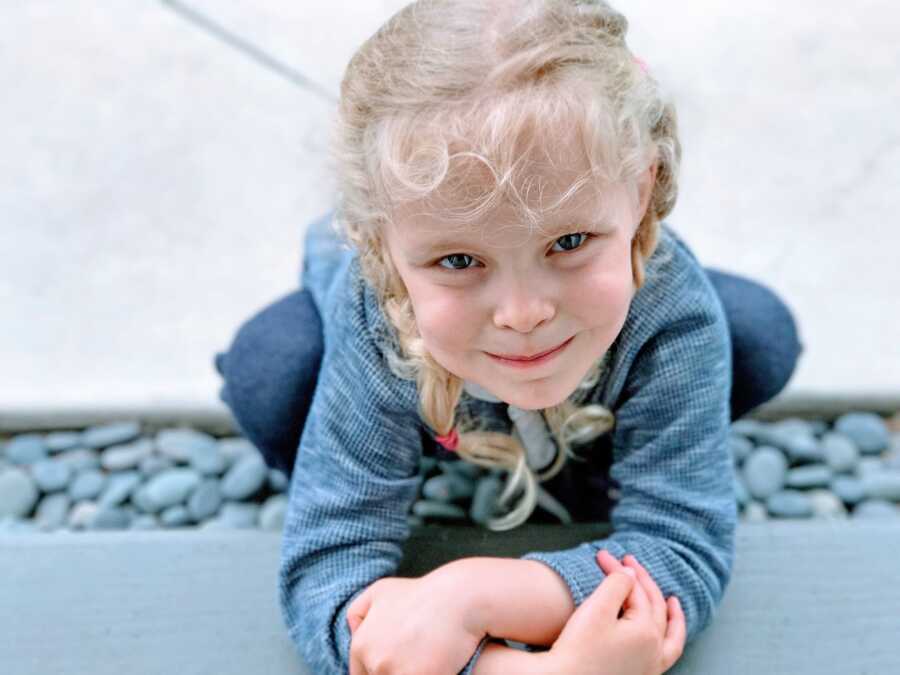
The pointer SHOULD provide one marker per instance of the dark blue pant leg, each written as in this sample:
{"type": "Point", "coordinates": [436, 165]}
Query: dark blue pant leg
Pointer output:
{"type": "Point", "coordinates": [270, 374]}
{"type": "Point", "coordinates": [765, 344]}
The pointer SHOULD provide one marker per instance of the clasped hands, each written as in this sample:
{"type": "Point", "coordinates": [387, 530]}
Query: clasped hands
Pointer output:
{"type": "Point", "coordinates": [428, 625]}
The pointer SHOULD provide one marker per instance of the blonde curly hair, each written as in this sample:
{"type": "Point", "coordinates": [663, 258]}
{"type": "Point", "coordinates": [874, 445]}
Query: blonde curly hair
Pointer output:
{"type": "Point", "coordinates": [453, 81]}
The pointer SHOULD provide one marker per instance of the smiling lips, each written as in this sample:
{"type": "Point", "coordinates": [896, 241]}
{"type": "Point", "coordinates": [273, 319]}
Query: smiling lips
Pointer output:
{"type": "Point", "coordinates": [511, 357]}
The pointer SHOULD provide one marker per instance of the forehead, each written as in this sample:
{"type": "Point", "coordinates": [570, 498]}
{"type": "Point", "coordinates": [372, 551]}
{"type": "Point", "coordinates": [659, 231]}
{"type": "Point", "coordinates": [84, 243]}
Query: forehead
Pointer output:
{"type": "Point", "coordinates": [424, 227]}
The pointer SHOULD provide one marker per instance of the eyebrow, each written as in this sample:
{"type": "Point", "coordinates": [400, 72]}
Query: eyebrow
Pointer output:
{"type": "Point", "coordinates": [452, 240]}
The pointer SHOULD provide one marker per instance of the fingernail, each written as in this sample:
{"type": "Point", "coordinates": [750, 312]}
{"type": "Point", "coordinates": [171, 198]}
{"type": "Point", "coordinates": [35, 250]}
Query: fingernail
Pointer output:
{"type": "Point", "coordinates": [628, 571]}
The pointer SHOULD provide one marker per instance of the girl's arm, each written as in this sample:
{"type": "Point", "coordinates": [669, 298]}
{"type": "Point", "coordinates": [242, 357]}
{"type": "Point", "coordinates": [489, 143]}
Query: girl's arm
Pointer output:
{"type": "Point", "coordinates": [355, 478]}
{"type": "Point", "coordinates": [520, 600]}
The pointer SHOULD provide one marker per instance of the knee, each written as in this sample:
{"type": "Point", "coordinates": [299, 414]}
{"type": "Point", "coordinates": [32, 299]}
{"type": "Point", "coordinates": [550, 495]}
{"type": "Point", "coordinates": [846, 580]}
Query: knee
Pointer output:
{"type": "Point", "coordinates": [270, 371]}
{"type": "Point", "coordinates": [766, 344]}
{"type": "Point", "coordinates": [283, 335]}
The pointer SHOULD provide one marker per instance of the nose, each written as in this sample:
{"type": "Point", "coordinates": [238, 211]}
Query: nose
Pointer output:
{"type": "Point", "coordinates": [522, 308]}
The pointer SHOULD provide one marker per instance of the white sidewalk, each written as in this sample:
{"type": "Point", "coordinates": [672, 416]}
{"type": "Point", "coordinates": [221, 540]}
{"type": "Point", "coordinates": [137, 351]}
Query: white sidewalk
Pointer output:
{"type": "Point", "coordinates": [160, 161]}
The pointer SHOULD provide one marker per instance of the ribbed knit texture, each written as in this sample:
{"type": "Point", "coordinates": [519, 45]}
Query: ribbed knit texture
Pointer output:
{"type": "Point", "coordinates": [356, 473]}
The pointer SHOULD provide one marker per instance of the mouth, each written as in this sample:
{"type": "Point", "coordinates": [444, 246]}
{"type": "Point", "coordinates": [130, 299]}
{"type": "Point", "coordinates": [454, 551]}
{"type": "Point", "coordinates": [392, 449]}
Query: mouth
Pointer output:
{"type": "Point", "coordinates": [540, 356]}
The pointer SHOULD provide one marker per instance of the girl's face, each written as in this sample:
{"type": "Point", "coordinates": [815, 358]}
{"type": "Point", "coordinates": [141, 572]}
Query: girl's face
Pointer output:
{"type": "Point", "coordinates": [494, 288]}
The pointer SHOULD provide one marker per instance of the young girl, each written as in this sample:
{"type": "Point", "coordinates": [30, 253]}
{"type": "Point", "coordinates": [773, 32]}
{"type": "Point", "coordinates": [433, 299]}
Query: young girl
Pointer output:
{"type": "Point", "coordinates": [497, 287]}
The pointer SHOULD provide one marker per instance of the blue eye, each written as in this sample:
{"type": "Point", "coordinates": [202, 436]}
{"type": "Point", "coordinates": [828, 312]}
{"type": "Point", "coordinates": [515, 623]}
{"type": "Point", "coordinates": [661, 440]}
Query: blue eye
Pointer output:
{"type": "Point", "coordinates": [576, 234]}
{"type": "Point", "coordinates": [566, 237]}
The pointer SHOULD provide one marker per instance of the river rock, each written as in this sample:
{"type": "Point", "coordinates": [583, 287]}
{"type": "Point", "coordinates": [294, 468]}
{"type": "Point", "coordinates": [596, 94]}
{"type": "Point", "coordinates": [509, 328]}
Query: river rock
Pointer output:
{"type": "Point", "coordinates": [52, 511]}
{"type": "Point", "coordinates": [208, 460]}
{"type": "Point", "coordinates": [119, 488]}
{"type": "Point", "coordinates": [154, 464]}
{"type": "Point", "coordinates": [448, 487]}
{"type": "Point", "coordinates": [789, 504]}
{"type": "Point", "coordinates": [245, 478]}
{"type": "Point", "coordinates": [86, 485]}
{"type": "Point", "coordinates": [26, 449]}
{"type": "Point", "coordinates": [741, 494]}
{"type": "Point", "coordinates": [18, 493]}
{"type": "Point", "coordinates": [765, 472]}
{"type": "Point", "coordinates": [239, 514]}
{"type": "Point", "coordinates": [82, 514]}
{"type": "Point", "coordinates": [868, 430]}
{"type": "Point", "coordinates": [754, 512]}
{"type": "Point", "coordinates": [869, 465]}
{"type": "Point", "coordinates": [126, 456]}
{"type": "Point", "coordinates": [809, 476]}
{"type": "Point", "coordinates": [180, 444]}
{"type": "Point", "coordinates": [175, 516]}
{"type": "Point", "coordinates": [172, 486]}
{"type": "Point", "coordinates": [848, 488]}
{"type": "Point", "coordinates": [484, 500]}
{"type": "Point", "coordinates": [876, 508]}
{"type": "Point", "coordinates": [80, 459]}
{"type": "Point", "coordinates": [461, 467]}
{"type": "Point", "coordinates": [426, 508]}
{"type": "Point", "coordinates": [740, 447]}
{"type": "Point", "coordinates": [51, 475]}
{"type": "Point", "coordinates": [840, 452]}
{"type": "Point", "coordinates": [826, 505]}
{"type": "Point", "coordinates": [104, 435]}
{"type": "Point", "coordinates": [144, 521]}
{"type": "Point", "coordinates": [278, 481]}
{"type": "Point", "coordinates": [57, 441]}
{"type": "Point", "coordinates": [271, 515]}
{"type": "Point", "coordinates": [882, 485]}
{"type": "Point", "coordinates": [233, 448]}
{"type": "Point", "coordinates": [110, 518]}
{"type": "Point", "coordinates": [205, 500]}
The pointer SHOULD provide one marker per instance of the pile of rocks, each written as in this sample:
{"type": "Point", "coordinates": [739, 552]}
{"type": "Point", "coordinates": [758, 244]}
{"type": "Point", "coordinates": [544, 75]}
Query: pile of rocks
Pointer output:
{"type": "Point", "coordinates": [116, 477]}
{"type": "Point", "coordinates": [797, 468]}
{"type": "Point", "coordinates": [792, 468]}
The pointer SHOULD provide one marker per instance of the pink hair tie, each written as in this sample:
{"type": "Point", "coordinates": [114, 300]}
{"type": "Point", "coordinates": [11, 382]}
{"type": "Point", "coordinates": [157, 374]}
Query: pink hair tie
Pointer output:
{"type": "Point", "coordinates": [450, 441]}
{"type": "Point", "coordinates": [642, 64]}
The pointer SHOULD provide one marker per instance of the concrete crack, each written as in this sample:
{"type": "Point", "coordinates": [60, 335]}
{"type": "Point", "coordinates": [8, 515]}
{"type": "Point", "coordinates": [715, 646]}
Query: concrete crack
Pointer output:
{"type": "Point", "coordinates": [249, 50]}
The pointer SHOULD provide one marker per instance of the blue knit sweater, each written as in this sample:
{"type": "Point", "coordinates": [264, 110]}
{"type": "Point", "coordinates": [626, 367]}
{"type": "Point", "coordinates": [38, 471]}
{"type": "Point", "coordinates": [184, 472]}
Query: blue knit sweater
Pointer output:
{"type": "Point", "coordinates": [668, 382]}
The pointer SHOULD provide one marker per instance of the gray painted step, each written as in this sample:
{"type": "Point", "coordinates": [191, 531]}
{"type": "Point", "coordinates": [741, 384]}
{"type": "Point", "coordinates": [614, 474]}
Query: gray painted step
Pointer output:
{"type": "Point", "coordinates": [811, 597]}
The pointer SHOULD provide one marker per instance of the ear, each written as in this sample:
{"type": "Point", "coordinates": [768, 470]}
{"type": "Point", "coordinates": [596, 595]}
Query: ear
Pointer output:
{"type": "Point", "coordinates": [646, 183]}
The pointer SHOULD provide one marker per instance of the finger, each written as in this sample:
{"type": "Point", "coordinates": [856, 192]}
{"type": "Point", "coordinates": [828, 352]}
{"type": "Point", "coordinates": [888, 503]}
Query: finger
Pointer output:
{"type": "Point", "coordinates": [611, 594]}
{"type": "Point", "coordinates": [657, 601]}
{"type": "Point", "coordinates": [637, 602]}
{"type": "Point", "coordinates": [676, 632]}
{"type": "Point", "coordinates": [358, 609]}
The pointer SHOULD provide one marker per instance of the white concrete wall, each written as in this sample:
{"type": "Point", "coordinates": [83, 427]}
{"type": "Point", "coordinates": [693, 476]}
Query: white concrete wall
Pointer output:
{"type": "Point", "coordinates": [160, 161]}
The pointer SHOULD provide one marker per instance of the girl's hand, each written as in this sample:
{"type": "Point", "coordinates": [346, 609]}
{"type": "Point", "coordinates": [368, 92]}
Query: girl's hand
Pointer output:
{"type": "Point", "coordinates": [417, 626]}
{"type": "Point", "coordinates": [665, 611]}
{"type": "Point", "coordinates": [598, 641]}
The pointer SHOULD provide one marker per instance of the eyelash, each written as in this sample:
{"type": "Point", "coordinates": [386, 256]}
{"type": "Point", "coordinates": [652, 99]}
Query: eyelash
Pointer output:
{"type": "Point", "coordinates": [587, 237]}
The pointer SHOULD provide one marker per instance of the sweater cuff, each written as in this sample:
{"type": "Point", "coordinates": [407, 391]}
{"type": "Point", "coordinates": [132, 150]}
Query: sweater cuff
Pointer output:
{"type": "Point", "coordinates": [578, 566]}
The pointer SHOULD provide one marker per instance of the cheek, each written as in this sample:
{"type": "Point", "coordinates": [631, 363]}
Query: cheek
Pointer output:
{"type": "Point", "coordinates": [441, 318]}
{"type": "Point", "coordinates": [607, 293]}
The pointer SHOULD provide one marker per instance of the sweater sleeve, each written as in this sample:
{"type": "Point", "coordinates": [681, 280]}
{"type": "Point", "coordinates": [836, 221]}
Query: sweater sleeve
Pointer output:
{"type": "Point", "coordinates": [676, 512]}
{"type": "Point", "coordinates": [354, 480]}
{"type": "Point", "coordinates": [353, 483]}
